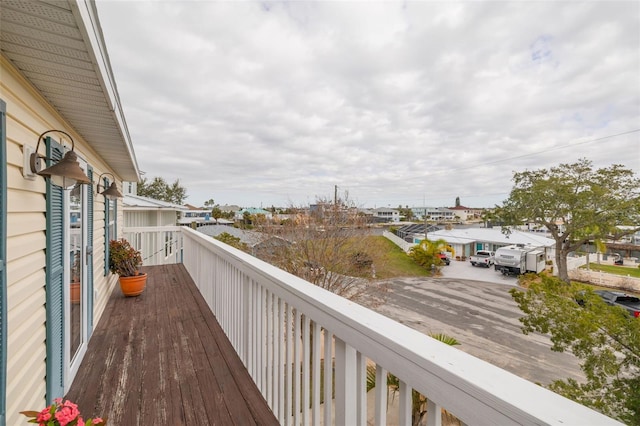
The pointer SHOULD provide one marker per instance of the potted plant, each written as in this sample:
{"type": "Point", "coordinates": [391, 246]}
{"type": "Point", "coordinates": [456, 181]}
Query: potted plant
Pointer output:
{"type": "Point", "coordinates": [126, 261]}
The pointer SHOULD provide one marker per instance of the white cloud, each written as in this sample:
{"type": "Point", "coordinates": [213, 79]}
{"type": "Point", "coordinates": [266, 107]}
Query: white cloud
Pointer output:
{"type": "Point", "coordinates": [275, 103]}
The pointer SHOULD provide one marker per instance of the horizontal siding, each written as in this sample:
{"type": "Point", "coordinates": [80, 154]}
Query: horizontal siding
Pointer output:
{"type": "Point", "coordinates": [26, 267]}
{"type": "Point", "coordinates": [25, 223]}
{"type": "Point", "coordinates": [28, 115]}
{"type": "Point", "coordinates": [103, 286]}
{"type": "Point", "coordinates": [29, 284]}
{"type": "Point", "coordinates": [24, 245]}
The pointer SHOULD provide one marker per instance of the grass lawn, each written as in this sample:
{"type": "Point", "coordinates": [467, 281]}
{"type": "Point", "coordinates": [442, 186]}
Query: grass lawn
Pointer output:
{"type": "Point", "coordinates": [395, 262]}
{"type": "Point", "coordinates": [614, 269]}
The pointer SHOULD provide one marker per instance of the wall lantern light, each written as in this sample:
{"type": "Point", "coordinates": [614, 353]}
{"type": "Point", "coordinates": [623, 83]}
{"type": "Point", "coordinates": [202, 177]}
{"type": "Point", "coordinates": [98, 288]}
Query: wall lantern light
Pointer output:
{"type": "Point", "coordinates": [112, 192]}
{"type": "Point", "coordinates": [66, 172]}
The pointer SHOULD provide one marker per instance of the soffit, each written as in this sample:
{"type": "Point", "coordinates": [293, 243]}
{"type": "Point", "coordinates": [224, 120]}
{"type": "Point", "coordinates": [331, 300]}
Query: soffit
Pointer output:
{"type": "Point", "coordinates": [57, 45]}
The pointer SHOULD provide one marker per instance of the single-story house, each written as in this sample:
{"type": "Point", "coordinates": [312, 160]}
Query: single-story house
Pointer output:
{"type": "Point", "coordinates": [468, 241]}
{"type": "Point", "coordinates": [59, 109]}
{"type": "Point", "coordinates": [145, 211]}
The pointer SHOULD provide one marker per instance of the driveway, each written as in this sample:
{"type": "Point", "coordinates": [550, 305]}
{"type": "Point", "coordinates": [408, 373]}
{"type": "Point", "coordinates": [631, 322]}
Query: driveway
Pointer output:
{"type": "Point", "coordinates": [481, 315]}
{"type": "Point", "coordinates": [464, 270]}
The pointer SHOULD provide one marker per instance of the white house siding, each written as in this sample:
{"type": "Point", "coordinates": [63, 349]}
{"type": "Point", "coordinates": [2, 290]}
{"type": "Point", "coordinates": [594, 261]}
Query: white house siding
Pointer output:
{"type": "Point", "coordinates": [28, 115]}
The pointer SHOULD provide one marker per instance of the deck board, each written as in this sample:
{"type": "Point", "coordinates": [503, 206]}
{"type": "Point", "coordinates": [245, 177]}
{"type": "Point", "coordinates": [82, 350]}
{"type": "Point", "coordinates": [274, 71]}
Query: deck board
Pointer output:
{"type": "Point", "coordinates": [162, 358]}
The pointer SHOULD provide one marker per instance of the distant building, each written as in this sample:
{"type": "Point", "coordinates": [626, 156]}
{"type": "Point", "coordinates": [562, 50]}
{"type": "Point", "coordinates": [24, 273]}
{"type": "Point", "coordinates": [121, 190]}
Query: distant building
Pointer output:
{"type": "Point", "coordinates": [436, 214]}
{"type": "Point", "coordinates": [468, 241]}
{"type": "Point", "coordinates": [385, 214]}
{"type": "Point", "coordinates": [229, 208]}
{"type": "Point", "coordinates": [144, 211]}
{"type": "Point", "coordinates": [200, 216]}
{"type": "Point", "coordinates": [252, 211]}
{"type": "Point", "coordinates": [466, 213]}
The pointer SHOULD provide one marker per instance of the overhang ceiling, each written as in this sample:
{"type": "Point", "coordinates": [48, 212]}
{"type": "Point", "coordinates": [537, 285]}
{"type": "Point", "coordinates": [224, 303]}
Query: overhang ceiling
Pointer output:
{"type": "Point", "coordinates": [58, 46]}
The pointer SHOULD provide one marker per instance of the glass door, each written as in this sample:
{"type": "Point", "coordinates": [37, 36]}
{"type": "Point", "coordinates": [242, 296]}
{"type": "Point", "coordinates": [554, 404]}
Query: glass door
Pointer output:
{"type": "Point", "coordinates": [76, 298]}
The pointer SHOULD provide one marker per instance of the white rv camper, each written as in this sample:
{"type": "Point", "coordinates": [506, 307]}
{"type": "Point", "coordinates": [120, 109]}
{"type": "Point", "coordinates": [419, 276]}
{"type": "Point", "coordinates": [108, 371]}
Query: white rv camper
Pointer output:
{"type": "Point", "coordinates": [519, 259]}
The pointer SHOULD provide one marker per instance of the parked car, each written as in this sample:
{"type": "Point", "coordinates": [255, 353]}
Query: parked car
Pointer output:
{"type": "Point", "coordinates": [484, 258]}
{"type": "Point", "coordinates": [616, 298]}
{"type": "Point", "coordinates": [444, 258]}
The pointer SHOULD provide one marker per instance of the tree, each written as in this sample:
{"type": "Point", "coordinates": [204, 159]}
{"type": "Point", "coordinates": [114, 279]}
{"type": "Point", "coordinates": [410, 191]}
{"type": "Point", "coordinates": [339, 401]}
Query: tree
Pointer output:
{"type": "Point", "coordinates": [406, 212]}
{"type": "Point", "coordinates": [457, 201]}
{"type": "Point", "coordinates": [216, 213]}
{"type": "Point", "coordinates": [605, 338]}
{"type": "Point", "coordinates": [209, 203]}
{"type": "Point", "coordinates": [160, 190]}
{"type": "Point", "coordinates": [176, 193]}
{"type": "Point", "coordinates": [227, 238]}
{"type": "Point", "coordinates": [327, 248]}
{"type": "Point", "coordinates": [246, 218]}
{"type": "Point", "coordinates": [575, 203]}
{"type": "Point", "coordinates": [426, 253]}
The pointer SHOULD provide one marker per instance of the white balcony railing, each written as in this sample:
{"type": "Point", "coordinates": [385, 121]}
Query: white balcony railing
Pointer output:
{"type": "Point", "coordinates": [288, 332]}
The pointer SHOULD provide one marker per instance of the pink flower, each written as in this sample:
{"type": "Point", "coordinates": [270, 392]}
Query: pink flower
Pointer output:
{"type": "Point", "coordinates": [60, 413]}
{"type": "Point", "coordinates": [44, 416]}
{"type": "Point", "coordinates": [67, 413]}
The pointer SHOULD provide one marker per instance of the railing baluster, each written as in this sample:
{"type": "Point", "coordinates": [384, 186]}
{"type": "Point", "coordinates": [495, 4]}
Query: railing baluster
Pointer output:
{"type": "Point", "coordinates": [269, 360]}
{"type": "Point", "coordinates": [296, 367]}
{"type": "Point", "coordinates": [434, 414]}
{"type": "Point", "coordinates": [381, 391]}
{"type": "Point", "coordinates": [289, 365]}
{"type": "Point", "coordinates": [361, 362]}
{"type": "Point", "coordinates": [306, 376]}
{"type": "Point", "coordinates": [251, 364]}
{"type": "Point", "coordinates": [328, 376]}
{"type": "Point", "coordinates": [281, 359]}
{"type": "Point", "coordinates": [345, 379]}
{"type": "Point", "coordinates": [246, 341]}
{"type": "Point", "coordinates": [316, 337]}
{"type": "Point", "coordinates": [404, 401]}
{"type": "Point", "coordinates": [262, 339]}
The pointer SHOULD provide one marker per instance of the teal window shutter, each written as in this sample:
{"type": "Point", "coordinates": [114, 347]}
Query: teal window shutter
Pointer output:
{"type": "Point", "coordinates": [3, 257]}
{"type": "Point", "coordinates": [54, 281]}
{"type": "Point", "coordinates": [90, 251]}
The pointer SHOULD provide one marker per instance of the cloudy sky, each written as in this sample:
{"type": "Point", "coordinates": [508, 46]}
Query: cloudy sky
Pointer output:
{"type": "Point", "coordinates": [396, 103]}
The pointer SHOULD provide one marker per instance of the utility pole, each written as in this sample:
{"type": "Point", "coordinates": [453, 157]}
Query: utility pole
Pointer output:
{"type": "Point", "coordinates": [425, 217]}
{"type": "Point", "coordinates": [335, 196]}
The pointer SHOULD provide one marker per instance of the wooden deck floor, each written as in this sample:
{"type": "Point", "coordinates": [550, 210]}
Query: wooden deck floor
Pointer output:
{"type": "Point", "coordinates": [162, 359]}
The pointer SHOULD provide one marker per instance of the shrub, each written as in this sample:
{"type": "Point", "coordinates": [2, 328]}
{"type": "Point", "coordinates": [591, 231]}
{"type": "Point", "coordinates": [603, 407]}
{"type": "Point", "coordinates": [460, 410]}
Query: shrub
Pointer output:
{"type": "Point", "coordinates": [124, 259]}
